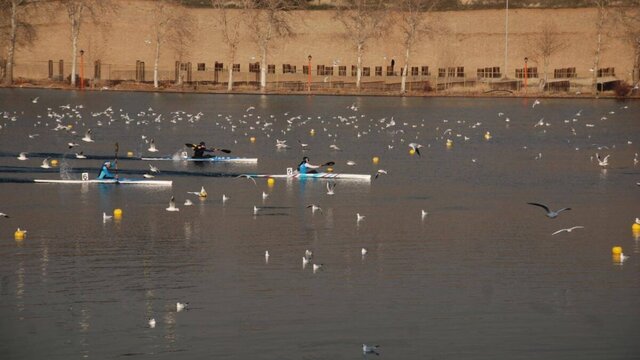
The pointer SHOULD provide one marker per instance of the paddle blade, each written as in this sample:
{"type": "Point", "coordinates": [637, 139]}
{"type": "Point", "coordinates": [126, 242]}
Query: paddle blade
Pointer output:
{"type": "Point", "coordinates": [225, 151]}
{"type": "Point", "coordinates": [330, 163]}
{"type": "Point", "coordinates": [189, 145]}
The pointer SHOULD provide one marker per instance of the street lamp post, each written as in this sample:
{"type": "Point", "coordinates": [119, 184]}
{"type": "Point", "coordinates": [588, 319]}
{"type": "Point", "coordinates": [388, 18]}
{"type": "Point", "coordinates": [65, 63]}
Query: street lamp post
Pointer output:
{"type": "Point", "coordinates": [526, 75]}
{"type": "Point", "coordinates": [309, 75]}
{"type": "Point", "coordinates": [81, 69]}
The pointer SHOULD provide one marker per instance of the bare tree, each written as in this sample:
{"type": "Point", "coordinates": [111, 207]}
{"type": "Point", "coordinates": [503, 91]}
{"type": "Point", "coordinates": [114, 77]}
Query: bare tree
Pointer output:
{"type": "Point", "coordinates": [170, 24]}
{"type": "Point", "coordinates": [545, 45]}
{"type": "Point", "coordinates": [602, 7]}
{"type": "Point", "coordinates": [629, 18]}
{"type": "Point", "coordinates": [413, 23]}
{"type": "Point", "coordinates": [229, 22]}
{"type": "Point", "coordinates": [363, 21]}
{"type": "Point", "coordinates": [77, 12]}
{"type": "Point", "coordinates": [268, 20]}
{"type": "Point", "coordinates": [20, 31]}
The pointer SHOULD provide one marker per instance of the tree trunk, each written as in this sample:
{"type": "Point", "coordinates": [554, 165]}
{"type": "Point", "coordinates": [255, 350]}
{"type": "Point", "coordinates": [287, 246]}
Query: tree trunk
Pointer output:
{"type": "Point", "coordinates": [155, 64]}
{"type": "Point", "coordinates": [405, 69]}
{"type": "Point", "coordinates": [545, 79]}
{"type": "Point", "coordinates": [8, 76]}
{"type": "Point", "coordinates": [74, 49]}
{"type": "Point", "coordinates": [358, 68]}
{"type": "Point", "coordinates": [230, 81]}
{"type": "Point", "coordinates": [263, 69]}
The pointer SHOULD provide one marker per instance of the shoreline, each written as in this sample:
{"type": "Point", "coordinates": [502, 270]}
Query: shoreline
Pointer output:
{"type": "Point", "coordinates": [454, 92]}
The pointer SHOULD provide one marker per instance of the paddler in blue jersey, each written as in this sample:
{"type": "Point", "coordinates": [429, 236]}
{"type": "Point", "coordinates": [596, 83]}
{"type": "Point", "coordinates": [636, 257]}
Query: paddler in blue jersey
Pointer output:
{"type": "Point", "coordinates": [105, 173]}
{"type": "Point", "coordinates": [306, 168]}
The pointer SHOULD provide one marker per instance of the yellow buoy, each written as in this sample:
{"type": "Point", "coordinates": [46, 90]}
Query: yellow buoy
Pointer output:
{"type": "Point", "coordinates": [271, 181]}
{"type": "Point", "coordinates": [129, 153]}
{"type": "Point", "coordinates": [330, 169]}
{"type": "Point", "coordinates": [375, 160]}
{"type": "Point", "coordinates": [616, 250]}
{"type": "Point", "coordinates": [449, 143]}
{"type": "Point", "coordinates": [487, 135]}
{"type": "Point", "coordinates": [54, 162]}
{"type": "Point", "coordinates": [635, 227]}
{"type": "Point", "coordinates": [252, 139]}
{"type": "Point", "coordinates": [312, 132]}
{"type": "Point", "coordinates": [19, 234]}
{"type": "Point", "coordinates": [412, 152]}
{"type": "Point", "coordinates": [117, 213]}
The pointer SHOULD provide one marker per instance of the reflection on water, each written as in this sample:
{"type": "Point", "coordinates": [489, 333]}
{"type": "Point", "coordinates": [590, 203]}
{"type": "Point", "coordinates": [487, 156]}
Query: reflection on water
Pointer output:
{"type": "Point", "coordinates": [480, 270]}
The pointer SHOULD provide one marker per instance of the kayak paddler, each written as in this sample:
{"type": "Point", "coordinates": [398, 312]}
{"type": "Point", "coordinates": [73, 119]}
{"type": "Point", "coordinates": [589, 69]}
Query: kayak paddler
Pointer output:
{"type": "Point", "coordinates": [306, 168]}
{"type": "Point", "coordinates": [105, 173]}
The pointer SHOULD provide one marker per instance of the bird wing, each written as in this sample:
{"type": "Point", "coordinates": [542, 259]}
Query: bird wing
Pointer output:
{"type": "Point", "coordinates": [540, 205]}
{"type": "Point", "coordinates": [563, 209]}
{"type": "Point", "coordinates": [559, 231]}
{"type": "Point", "coordinates": [577, 227]}
{"type": "Point", "coordinates": [172, 202]}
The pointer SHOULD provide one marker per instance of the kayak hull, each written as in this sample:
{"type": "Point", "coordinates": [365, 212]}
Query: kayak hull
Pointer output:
{"type": "Point", "coordinates": [217, 159]}
{"type": "Point", "coordinates": [108, 181]}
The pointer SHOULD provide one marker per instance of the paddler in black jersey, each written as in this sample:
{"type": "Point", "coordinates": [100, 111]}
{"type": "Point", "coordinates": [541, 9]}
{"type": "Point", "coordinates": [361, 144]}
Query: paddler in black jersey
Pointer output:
{"type": "Point", "coordinates": [199, 151]}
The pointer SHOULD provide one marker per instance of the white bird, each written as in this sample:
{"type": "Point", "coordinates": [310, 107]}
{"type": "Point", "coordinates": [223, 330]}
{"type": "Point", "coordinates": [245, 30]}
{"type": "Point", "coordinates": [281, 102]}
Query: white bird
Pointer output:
{"type": "Point", "coordinates": [72, 145]}
{"type": "Point", "coordinates": [80, 155]}
{"type": "Point", "coordinates": [152, 323]}
{"type": "Point", "coordinates": [331, 187]}
{"type": "Point", "coordinates": [536, 102]}
{"type": "Point", "coordinates": [317, 267]}
{"type": "Point", "coordinates": [303, 145]}
{"type": "Point", "coordinates": [181, 306]}
{"type": "Point", "coordinates": [334, 147]}
{"type": "Point", "coordinates": [224, 198]}
{"type": "Point", "coordinates": [3, 215]}
{"type": "Point", "coordinates": [305, 262]}
{"type": "Point", "coordinates": [23, 156]}
{"type": "Point", "coordinates": [249, 177]}
{"type": "Point", "coordinates": [266, 256]}
{"type": "Point", "coordinates": [35, 99]}
{"type": "Point", "coordinates": [202, 193]}
{"type": "Point", "coordinates": [45, 164]}
{"type": "Point", "coordinates": [172, 205]}
{"type": "Point", "coordinates": [416, 148]}
{"type": "Point", "coordinates": [423, 214]}
{"type": "Point", "coordinates": [314, 208]}
{"type": "Point", "coordinates": [623, 257]}
{"type": "Point", "coordinates": [33, 136]}
{"type": "Point", "coordinates": [380, 172]}
{"type": "Point", "coordinates": [539, 123]}
{"type": "Point", "coordinates": [264, 195]}
{"type": "Point", "coordinates": [351, 163]}
{"type": "Point", "coordinates": [106, 217]}
{"type": "Point", "coordinates": [364, 251]}
{"type": "Point", "coordinates": [308, 253]}
{"type": "Point", "coordinates": [602, 162]}
{"type": "Point", "coordinates": [152, 146]}
{"type": "Point", "coordinates": [370, 349]}
{"type": "Point", "coordinates": [87, 136]}
{"type": "Point", "coordinates": [359, 217]}
{"type": "Point", "coordinates": [250, 108]}
{"type": "Point", "coordinates": [550, 214]}
{"type": "Point", "coordinates": [188, 202]}
{"type": "Point", "coordinates": [255, 210]}
{"type": "Point", "coordinates": [568, 229]}
{"type": "Point", "coordinates": [148, 176]}
{"type": "Point", "coordinates": [637, 220]}
{"type": "Point", "coordinates": [281, 144]}
{"type": "Point", "coordinates": [154, 169]}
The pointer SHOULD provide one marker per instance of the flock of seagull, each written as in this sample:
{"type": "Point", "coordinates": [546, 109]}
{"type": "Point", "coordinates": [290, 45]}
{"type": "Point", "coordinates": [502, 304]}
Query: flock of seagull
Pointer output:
{"type": "Point", "coordinates": [63, 121]}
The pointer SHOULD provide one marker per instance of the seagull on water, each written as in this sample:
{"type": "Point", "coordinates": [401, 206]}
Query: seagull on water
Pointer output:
{"type": "Point", "coordinates": [152, 323]}
{"type": "Point", "coordinates": [423, 214]}
{"type": "Point", "coordinates": [80, 155]}
{"type": "Point", "coordinates": [188, 202]}
{"type": "Point", "coordinates": [152, 146]}
{"type": "Point", "coordinates": [380, 172]}
{"type": "Point", "coordinates": [172, 205]}
{"type": "Point", "coordinates": [359, 217]}
{"type": "Point", "coordinates": [370, 349]}
{"type": "Point", "coordinates": [550, 214]}
{"type": "Point", "coordinates": [314, 208]}
{"type": "Point", "coordinates": [148, 176]}
{"type": "Point", "coordinates": [351, 163]}
{"type": "Point", "coordinates": [416, 148]}
{"type": "Point", "coordinates": [264, 195]}
{"type": "Point", "coordinates": [623, 257]}
{"type": "Point", "coordinates": [45, 164]}
{"type": "Point", "coordinates": [568, 229]}
{"type": "Point", "coordinates": [266, 256]}
{"type": "Point", "coordinates": [35, 99]}
{"type": "Point", "coordinates": [202, 193]}
{"type": "Point", "coordinates": [364, 251]}
{"type": "Point", "coordinates": [317, 267]}
{"type": "Point", "coordinates": [331, 186]}
{"type": "Point", "coordinates": [23, 156]}
{"type": "Point", "coordinates": [334, 147]}
{"type": "Point", "coordinates": [255, 210]}
{"type": "Point", "coordinates": [3, 215]}
{"type": "Point", "coordinates": [106, 217]}
{"type": "Point", "coordinates": [305, 261]}
{"type": "Point", "coordinates": [181, 306]}
{"type": "Point", "coordinates": [87, 136]}
{"type": "Point", "coordinates": [308, 254]}
{"type": "Point", "coordinates": [224, 198]}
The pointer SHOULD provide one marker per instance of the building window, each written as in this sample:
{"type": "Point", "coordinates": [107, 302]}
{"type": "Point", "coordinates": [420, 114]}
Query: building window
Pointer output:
{"type": "Point", "coordinates": [354, 70]}
{"type": "Point", "coordinates": [460, 71]}
{"type": "Point", "coordinates": [489, 73]}
{"type": "Point", "coordinates": [201, 67]}
{"type": "Point", "coordinates": [236, 67]}
{"type": "Point", "coordinates": [378, 70]}
{"type": "Point", "coordinates": [218, 66]}
{"type": "Point", "coordinates": [342, 70]}
{"type": "Point", "coordinates": [424, 71]}
{"type": "Point", "coordinates": [328, 70]}
{"type": "Point", "coordinates": [606, 72]}
{"type": "Point", "coordinates": [414, 71]}
{"type": "Point", "coordinates": [320, 70]}
{"type": "Point", "coordinates": [271, 69]}
{"type": "Point", "coordinates": [390, 71]}
{"type": "Point", "coordinates": [288, 69]}
{"type": "Point", "coordinates": [254, 67]}
{"type": "Point", "coordinates": [532, 72]}
{"type": "Point", "coordinates": [564, 73]}
{"type": "Point", "coordinates": [366, 71]}
{"type": "Point", "coordinates": [305, 69]}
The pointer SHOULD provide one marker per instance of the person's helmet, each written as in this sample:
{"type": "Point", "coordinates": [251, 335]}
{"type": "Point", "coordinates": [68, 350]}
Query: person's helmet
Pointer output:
{"type": "Point", "coordinates": [202, 143]}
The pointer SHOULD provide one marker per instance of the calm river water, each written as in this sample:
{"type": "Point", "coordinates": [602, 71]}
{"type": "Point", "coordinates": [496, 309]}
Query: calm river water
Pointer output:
{"type": "Point", "coordinates": [479, 277]}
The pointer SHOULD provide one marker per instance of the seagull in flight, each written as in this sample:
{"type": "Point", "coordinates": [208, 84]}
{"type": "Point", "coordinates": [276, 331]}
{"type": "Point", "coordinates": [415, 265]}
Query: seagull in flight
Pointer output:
{"type": "Point", "coordinates": [152, 146]}
{"type": "Point", "coordinates": [602, 162]}
{"type": "Point", "coordinates": [568, 229]}
{"type": "Point", "coordinates": [181, 306]}
{"type": "Point", "coordinates": [188, 202]}
{"type": "Point", "coordinates": [154, 169]}
{"type": "Point", "coordinates": [87, 136]}
{"type": "Point", "coordinates": [3, 215]}
{"type": "Point", "coordinates": [22, 156]}
{"type": "Point", "coordinates": [536, 102]}
{"type": "Point", "coordinates": [334, 147]}
{"type": "Point", "coordinates": [331, 186]}
{"type": "Point", "coordinates": [172, 205]}
{"type": "Point", "coordinates": [380, 172]}
{"type": "Point", "coordinates": [370, 349]}
{"type": "Point", "coordinates": [35, 99]}
{"type": "Point", "coordinates": [72, 145]}
{"type": "Point", "coordinates": [359, 217]}
{"type": "Point", "coordinates": [249, 177]}
{"type": "Point", "coordinates": [416, 148]}
{"type": "Point", "coordinates": [550, 214]}
{"type": "Point", "coordinates": [152, 323]}
{"type": "Point", "coordinates": [106, 217]}
{"type": "Point", "coordinates": [202, 193]}
{"type": "Point", "coordinates": [80, 155]}
{"type": "Point", "coordinates": [45, 164]}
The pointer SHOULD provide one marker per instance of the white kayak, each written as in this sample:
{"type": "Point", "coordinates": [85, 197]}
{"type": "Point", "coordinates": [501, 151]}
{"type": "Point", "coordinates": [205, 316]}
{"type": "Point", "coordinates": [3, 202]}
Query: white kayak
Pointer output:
{"type": "Point", "coordinates": [323, 175]}
{"type": "Point", "coordinates": [85, 180]}
{"type": "Point", "coordinates": [214, 159]}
